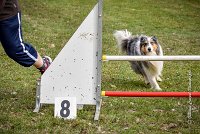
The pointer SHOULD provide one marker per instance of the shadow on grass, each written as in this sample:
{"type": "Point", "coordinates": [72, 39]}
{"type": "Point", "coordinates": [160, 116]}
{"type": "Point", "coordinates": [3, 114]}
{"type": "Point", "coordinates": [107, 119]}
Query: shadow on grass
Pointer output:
{"type": "Point", "coordinates": [125, 84]}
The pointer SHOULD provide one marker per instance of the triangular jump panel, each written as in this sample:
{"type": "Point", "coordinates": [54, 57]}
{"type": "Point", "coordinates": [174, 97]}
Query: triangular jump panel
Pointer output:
{"type": "Point", "coordinates": [74, 71]}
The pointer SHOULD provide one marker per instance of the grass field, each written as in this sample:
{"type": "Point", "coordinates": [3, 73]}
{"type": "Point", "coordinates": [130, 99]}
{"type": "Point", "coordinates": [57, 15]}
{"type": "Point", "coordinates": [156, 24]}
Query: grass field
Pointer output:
{"type": "Point", "coordinates": [48, 25]}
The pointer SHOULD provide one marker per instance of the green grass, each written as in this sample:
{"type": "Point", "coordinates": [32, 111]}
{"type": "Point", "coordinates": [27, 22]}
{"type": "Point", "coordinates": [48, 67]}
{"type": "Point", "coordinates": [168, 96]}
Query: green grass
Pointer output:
{"type": "Point", "coordinates": [47, 22]}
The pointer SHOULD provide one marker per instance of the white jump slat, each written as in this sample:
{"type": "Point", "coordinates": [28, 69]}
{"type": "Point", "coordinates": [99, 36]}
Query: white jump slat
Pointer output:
{"type": "Point", "coordinates": [152, 58]}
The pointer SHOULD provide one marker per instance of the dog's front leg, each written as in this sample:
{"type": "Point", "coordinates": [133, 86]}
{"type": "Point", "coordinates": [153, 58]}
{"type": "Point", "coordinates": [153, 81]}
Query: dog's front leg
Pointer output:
{"type": "Point", "coordinates": [154, 84]}
{"type": "Point", "coordinates": [158, 79]}
{"type": "Point", "coordinates": [152, 80]}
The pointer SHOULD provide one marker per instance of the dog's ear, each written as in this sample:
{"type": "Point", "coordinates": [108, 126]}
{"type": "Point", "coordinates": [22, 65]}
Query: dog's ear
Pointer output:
{"type": "Point", "coordinates": [154, 38]}
{"type": "Point", "coordinates": [158, 50]}
{"type": "Point", "coordinates": [143, 39]}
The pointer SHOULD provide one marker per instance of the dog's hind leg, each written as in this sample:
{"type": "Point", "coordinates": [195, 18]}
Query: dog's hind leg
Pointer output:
{"type": "Point", "coordinates": [146, 79]}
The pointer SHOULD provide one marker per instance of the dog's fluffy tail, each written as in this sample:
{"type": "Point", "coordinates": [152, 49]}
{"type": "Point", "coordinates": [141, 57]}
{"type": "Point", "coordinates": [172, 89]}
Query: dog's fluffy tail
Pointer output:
{"type": "Point", "coordinates": [122, 37]}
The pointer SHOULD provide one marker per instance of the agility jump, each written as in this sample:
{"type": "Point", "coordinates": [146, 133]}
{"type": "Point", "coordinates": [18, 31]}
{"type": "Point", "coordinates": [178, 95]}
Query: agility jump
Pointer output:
{"type": "Point", "coordinates": [76, 71]}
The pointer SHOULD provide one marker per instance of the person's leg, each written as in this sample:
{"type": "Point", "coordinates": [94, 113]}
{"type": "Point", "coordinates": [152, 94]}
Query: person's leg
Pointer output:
{"type": "Point", "coordinates": [39, 61]}
{"type": "Point", "coordinates": [13, 44]}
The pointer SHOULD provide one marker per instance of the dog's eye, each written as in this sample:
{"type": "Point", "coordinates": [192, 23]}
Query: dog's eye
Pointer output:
{"type": "Point", "coordinates": [152, 43]}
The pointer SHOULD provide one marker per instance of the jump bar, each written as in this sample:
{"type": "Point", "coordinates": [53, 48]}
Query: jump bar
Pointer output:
{"type": "Point", "coordinates": [152, 58]}
{"type": "Point", "coordinates": [148, 94]}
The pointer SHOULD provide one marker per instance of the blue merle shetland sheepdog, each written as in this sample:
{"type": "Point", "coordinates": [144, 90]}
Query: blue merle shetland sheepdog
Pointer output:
{"type": "Point", "coordinates": [142, 45]}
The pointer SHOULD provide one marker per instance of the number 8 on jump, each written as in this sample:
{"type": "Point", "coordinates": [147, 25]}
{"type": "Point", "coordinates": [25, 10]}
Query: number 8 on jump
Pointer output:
{"type": "Point", "coordinates": [65, 107]}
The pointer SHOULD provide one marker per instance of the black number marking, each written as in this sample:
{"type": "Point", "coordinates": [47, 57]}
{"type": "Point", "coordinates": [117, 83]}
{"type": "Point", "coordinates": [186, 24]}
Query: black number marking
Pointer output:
{"type": "Point", "coordinates": [65, 112]}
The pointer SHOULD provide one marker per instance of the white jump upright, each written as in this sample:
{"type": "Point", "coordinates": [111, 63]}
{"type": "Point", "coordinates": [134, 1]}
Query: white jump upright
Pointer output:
{"type": "Point", "coordinates": [76, 69]}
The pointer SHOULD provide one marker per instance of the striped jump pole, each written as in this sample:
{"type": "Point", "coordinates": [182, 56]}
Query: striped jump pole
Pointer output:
{"type": "Point", "coordinates": [152, 58]}
{"type": "Point", "coordinates": [149, 94]}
